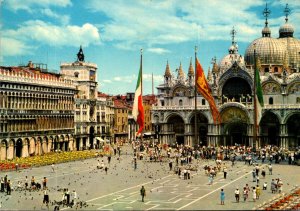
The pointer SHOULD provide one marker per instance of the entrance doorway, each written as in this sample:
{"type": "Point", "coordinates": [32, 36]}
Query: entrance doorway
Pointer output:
{"type": "Point", "coordinates": [19, 146]}
{"type": "Point", "coordinates": [77, 143]}
{"type": "Point", "coordinates": [236, 134]}
{"type": "Point", "coordinates": [92, 131]}
{"type": "Point", "coordinates": [180, 140]}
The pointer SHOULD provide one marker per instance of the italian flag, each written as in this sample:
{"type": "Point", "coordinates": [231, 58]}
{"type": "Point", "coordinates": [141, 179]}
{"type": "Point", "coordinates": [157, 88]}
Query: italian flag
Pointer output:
{"type": "Point", "coordinates": [258, 97]}
{"type": "Point", "coordinates": [138, 108]}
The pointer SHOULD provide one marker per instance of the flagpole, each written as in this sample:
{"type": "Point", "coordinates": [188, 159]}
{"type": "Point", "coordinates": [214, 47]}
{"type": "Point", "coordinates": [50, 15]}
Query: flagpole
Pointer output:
{"type": "Point", "coordinates": [255, 104]}
{"type": "Point", "coordinates": [195, 93]}
{"type": "Point", "coordinates": [141, 67]}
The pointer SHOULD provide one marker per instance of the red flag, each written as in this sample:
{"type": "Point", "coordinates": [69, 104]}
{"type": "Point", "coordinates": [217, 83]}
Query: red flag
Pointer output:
{"type": "Point", "coordinates": [204, 90]}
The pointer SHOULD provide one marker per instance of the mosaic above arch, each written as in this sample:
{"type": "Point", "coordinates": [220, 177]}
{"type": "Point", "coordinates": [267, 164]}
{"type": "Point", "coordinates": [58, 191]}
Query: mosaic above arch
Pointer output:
{"type": "Point", "coordinates": [294, 88]}
{"type": "Point", "coordinates": [234, 114]}
{"type": "Point", "coordinates": [271, 88]}
{"type": "Point", "coordinates": [180, 91]}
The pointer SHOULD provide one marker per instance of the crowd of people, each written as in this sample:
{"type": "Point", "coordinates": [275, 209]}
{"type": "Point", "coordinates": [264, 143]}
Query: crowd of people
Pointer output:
{"type": "Point", "coordinates": [182, 160]}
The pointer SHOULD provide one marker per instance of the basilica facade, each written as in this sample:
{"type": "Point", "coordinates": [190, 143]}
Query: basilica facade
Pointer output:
{"type": "Point", "coordinates": [232, 83]}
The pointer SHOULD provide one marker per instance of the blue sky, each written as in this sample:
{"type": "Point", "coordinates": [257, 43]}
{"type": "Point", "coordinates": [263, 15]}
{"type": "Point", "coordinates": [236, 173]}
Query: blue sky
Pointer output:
{"type": "Point", "coordinates": [113, 32]}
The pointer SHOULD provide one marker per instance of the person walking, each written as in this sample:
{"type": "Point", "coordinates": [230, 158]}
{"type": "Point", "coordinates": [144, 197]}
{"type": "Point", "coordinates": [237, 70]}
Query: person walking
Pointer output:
{"type": "Point", "coordinates": [237, 195]}
{"type": "Point", "coordinates": [273, 186]}
{"type": "Point", "coordinates": [254, 175]}
{"type": "Point", "coordinates": [52, 167]}
{"type": "Point", "coordinates": [279, 185]}
{"type": "Point", "coordinates": [245, 194]}
{"type": "Point", "coordinates": [74, 195]}
{"type": "Point", "coordinates": [254, 194]}
{"type": "Point", "coordinates": [170, 165]}
{"type": "Point", "coordinates": [225, 172]}
{"type": "Point", "coordinates": [68, 196]}
{"type": "Point", "coordinates": [46, 198]}
{"type": "Point", "coordinates": [257, 180]}
{"type": "Point", "coordinates": [44, 182]}
{"type": "Point", "coordinates": [143, 193]}
{"type": "Point", "coordinates": [2, 184]}
{"type": "Point", "coordinates": [270, 169]}
{"type": "Point", "coordinates": [26, 183]}
{"type": "Point", "coordinates": [222, 196]}
{"type": "Point", "coordinates": [8, 188]}
{"type": "Point", "coordinates": [263, 173]}
{"type": "Point", "coordinates": [258, 191]}
{"type": "Point", "coordinates": [265, 185]}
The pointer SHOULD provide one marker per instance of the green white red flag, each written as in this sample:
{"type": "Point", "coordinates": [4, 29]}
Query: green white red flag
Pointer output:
{"type": "Point", "coordinates": [138, 108]}
{"type": "Point", "coordinates": [258, 97]}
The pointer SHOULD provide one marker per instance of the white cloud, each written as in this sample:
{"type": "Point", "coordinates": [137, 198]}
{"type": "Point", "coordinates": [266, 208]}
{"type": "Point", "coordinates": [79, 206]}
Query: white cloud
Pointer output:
{"type": "Point", "coordinates": [158, 50]}
{"type": "Point", "coordinates": [28, 5]}
{"type": "Point", "coordinates": [156, 78]}
{"type": "Point", "coordinates": [53, 35]}
{"type": "Point", "coordinates": [106, 81]}
{"type": "Point", "coordinates": [124, 79]}
{"type": "Point", "coordinates": [64, 19]}
{"type": "Point", "coordinates": [149, 23]}
{"type": "Point", "coordinates": [14, 47]}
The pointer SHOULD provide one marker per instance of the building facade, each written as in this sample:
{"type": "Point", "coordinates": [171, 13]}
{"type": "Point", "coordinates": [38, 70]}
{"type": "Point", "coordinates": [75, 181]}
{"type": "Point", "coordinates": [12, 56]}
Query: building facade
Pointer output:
{"type": "Point", "coordinates": [36, 112]}
{"type": "Point", "coordinates": [232, 81]}
{"type": "Point", "coordinates": [90, 111]}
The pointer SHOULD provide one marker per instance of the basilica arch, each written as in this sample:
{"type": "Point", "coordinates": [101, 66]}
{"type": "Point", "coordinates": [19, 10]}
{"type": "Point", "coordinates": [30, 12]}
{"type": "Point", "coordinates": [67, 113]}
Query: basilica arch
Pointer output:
{"type": "Point", "coordinates": [202, 128]}
{"type": "Point", "coordinates": [234, 126]}
{"type": "Point", "coordinates": [19, 148]}
{"type": "Point", "coordinates": [175, 125]}
{"type": "Point", "coordinates": [269, 129]}
{"type": "Point", "coordinates": [293, 129]}
{"type": "Point", "coordinates": [236, 89]}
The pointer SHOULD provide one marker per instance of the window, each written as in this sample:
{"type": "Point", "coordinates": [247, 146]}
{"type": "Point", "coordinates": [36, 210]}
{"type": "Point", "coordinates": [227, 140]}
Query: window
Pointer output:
{"type": "Point", "coordinates": [298, 100]}
{"type": "Point", "coordinates": [276, 69]}
{"type": "Point", "coordinates": [162, 103]}
{"type": "Point", "coordinates": [203, 101]}
{"type": "Point", "coordinates": [180, 102]}
{"type": "Point", "coordinates": [271, 101]}
{"type": "Point", "coordinates": [266, 69]}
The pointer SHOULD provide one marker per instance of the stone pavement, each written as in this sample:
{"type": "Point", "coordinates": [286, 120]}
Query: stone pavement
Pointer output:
{"type": "Point", "coordinates": [119, 189]}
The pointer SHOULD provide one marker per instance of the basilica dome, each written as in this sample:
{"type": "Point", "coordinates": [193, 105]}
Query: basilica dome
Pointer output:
{"type": "Point", "coordinates": [229, 59]}
{"type": "Point", "coordinates": [268, 49]}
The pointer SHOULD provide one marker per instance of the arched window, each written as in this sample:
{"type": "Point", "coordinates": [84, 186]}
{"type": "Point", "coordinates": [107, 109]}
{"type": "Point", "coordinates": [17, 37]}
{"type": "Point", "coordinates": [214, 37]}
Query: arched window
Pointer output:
{"type": "Point", "coordinates": [162, 103]}
{"type": "Point", "coordinates": [180, 102]}
{"type": "Point", "coordinates": [266, 69]}
{"type": "Point", "coordinates": [276, 70]}
{"type": "Point", "coordinates": [298, 100]}
{"type": "Point", "coordinates": [271, 101]}
{"type": "Point", "coordinates": [203, 101]}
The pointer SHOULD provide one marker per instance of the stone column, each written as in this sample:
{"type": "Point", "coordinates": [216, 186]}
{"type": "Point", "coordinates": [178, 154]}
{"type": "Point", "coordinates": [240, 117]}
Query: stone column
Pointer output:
{"type": "Point", "coordinates": [3, 153]}
{"type": "Point", "coordinates": [24, 150]}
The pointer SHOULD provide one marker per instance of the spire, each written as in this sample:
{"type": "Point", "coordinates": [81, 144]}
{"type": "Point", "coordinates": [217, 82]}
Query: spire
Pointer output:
{"type": "Point", "coordinates": [233, 33]}
{"type": "Point", "coordinates": [209, 75]}
{"type": "Point", "coordinates": [191, 69]}
{"type": "Point", "coordinates": [266, 32]}
{"type": "Point", "coordinates": [180, 72]}
{"type": "Point", "coordinates": [215, 68]}
{"type": "Point", "coordinates": [266, 14]}
{"type": "Point", "coordinates": [168, 71]}
{"type": "Point", "coordinates": [233, 49]}
{"type": "Point", "coordinates": [287, 11]}
{"type": "Point", "coordinates": [286, 30]}
{"type": "Point", "coordinates": [80, 55]}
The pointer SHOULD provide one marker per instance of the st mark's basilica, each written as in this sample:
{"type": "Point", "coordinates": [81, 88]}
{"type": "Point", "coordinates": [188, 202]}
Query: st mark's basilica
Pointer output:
{"type": "Point", "coordinates": [232, 80]}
